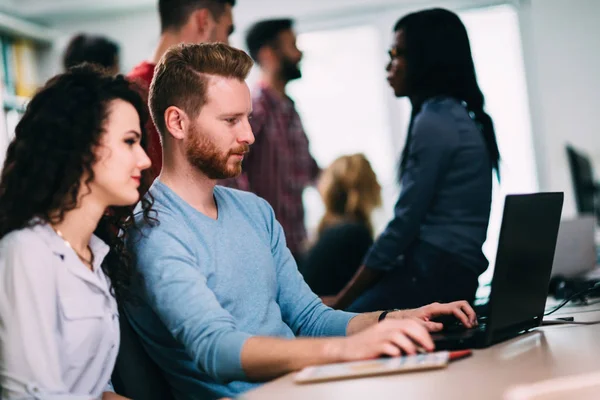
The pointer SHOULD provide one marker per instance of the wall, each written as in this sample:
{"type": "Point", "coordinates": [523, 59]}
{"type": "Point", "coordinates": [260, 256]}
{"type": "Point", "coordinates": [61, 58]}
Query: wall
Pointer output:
{"type": "Point", "coordinates": [136, 32]}
{"type": "Point", "coordinates": [562, 58]}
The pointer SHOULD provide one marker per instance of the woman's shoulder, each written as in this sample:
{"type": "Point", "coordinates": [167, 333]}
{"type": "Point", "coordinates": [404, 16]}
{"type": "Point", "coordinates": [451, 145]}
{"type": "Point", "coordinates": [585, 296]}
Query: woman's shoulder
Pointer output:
{"type": "Point", "coordinates": [30, 237]}
{"type": "Point", "coordinates": [442, 105]}
{"type": "Point", "coordinates": [439, 118]}
{"type": "Point", "coordinates": [443, 109]}
{"type": "Point", "coordinates": [26, 248]}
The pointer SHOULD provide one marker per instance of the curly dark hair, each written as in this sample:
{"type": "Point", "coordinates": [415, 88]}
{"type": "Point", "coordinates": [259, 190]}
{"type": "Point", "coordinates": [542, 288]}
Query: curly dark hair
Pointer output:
{"type": "Point", "coordinates": [54, 147]}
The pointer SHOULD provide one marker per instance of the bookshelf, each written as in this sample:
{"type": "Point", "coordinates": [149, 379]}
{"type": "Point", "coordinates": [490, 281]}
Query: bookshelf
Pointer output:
{"type": "Point", "coordinates": [20, 43]}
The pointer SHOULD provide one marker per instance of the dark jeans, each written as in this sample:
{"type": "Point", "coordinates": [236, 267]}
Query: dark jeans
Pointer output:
{"type": "Point", "coordinates": [427, 274]}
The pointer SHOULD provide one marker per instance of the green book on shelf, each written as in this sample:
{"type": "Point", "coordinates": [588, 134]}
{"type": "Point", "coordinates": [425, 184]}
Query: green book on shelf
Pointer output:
{"type": "Point", "coordinates": [8, 65]}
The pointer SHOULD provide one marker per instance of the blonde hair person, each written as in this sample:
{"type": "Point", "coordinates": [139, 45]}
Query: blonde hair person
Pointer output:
{"type": "Point", "coordinates": [350, 192]}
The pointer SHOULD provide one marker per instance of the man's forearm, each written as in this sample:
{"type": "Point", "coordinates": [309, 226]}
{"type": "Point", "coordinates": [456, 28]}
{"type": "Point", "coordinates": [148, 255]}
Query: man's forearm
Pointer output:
{"type": "Point", "coordinates": [362, 322]}
{"type": "Point", "coordinates": [365, 320]}
{"type": "Point", "coordinates": [265, 358]}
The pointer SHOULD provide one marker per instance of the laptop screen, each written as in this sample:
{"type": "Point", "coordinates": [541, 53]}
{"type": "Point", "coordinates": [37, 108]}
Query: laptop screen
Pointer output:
{"type": "Point", "coordinates": [524, 260]}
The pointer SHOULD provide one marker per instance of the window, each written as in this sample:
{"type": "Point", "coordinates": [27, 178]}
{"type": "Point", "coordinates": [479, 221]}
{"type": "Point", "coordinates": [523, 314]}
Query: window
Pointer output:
{"type": "Point", "coordinates": [341, 99]}
{"type": "Point", "coordinates": [496, 46]}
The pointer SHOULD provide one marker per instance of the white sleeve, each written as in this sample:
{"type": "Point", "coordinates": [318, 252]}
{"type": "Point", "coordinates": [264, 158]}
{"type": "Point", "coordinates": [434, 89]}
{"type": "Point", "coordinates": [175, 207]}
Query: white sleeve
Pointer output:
{"type": "Point", "coordinates": [30, 364]}
{"type": "Point", "coordinates": [109, 387]}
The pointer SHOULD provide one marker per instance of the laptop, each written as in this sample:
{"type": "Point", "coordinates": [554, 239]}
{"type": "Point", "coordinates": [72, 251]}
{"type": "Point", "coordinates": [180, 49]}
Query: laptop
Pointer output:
{"type": "Point", "coordinates": [521, 276]}
{"type": "Point", "coordinates": [575, 249]}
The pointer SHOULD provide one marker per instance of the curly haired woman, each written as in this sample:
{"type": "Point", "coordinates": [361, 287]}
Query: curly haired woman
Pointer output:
{"type": "Point", "coordinates": [74, 168]}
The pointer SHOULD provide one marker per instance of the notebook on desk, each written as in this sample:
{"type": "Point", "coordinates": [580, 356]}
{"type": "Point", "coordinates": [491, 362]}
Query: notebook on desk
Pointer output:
{"type": "Point", "coordinates": [523, 265]}
{"type": "Point", "coordinates": [380, 366]}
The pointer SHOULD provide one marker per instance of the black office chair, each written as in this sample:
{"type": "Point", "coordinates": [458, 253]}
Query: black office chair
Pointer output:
{"type": "Point", "coordinates": [135, 375]}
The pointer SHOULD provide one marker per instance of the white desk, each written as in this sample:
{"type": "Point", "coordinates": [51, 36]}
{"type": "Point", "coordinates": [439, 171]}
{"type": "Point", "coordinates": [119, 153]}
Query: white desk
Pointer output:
{"type": "Point", "coordinates": [546, 353]}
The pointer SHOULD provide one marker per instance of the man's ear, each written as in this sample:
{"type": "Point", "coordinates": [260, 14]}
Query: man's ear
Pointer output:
{"type": "Point", "coordinates": [176, 122]}
{"type": "Point", "coordinates": [204, 24]}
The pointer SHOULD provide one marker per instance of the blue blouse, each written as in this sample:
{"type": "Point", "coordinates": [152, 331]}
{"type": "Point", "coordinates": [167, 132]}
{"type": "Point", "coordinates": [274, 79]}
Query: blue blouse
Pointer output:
{"type": "Point", "coordinates": [446, 189]}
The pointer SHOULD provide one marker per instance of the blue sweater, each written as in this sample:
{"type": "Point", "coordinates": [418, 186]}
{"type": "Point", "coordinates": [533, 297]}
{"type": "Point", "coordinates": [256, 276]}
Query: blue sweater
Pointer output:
{"type": "Point", "coordinates": [446, 189]}
{"type": "Point", "coordinates": [209, 285]}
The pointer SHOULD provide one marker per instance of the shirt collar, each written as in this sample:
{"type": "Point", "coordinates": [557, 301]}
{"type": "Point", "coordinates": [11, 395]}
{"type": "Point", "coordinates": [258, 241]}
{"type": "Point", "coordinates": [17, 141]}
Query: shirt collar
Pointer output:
{"type": "Point", "coordinates": [71, 260]}
{"type": "Point", "coordinates": [274, 97]}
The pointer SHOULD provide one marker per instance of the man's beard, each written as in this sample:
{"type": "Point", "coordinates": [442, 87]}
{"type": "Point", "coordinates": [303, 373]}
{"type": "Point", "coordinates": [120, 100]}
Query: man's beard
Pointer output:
{"type": "Point", "coordinates": [202, 153]}
{"type": "Point", "coordinates": [289, 70]}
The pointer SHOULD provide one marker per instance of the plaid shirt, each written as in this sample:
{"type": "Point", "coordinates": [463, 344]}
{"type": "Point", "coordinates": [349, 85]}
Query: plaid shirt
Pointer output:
{"type": "Point", "coordinates": [279, 165]}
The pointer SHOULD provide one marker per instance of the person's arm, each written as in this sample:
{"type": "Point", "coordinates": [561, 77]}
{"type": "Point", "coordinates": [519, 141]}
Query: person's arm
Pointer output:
{"type": "Point", "coordinates": [313, 167]}
{"type": "Point", "coordinates": [177, 291]}
{"type": "Point", "coordinates": [459, 309]}
{"type": "Point", "coordinates": [31, 356]}
{"type": "Point", "coordinates": [316, 170]}
{"type": "Point", "coordinates": [362, 280]}
{"type": "Point", "coordinates": [109, 393]}
{"type": "Point", "coordinates": [304, 312]}
{"type": "Point", "coordinates": [429, 154]}
{"type": "Point", "coordinates": [266, 358]}
{"type": "Point", "coordinates": [301, 309]}
{"type": "Point", "coordinates": [175, 288]}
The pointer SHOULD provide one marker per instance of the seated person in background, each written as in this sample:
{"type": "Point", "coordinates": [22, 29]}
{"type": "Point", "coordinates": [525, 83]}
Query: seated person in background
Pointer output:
{"type": "Point", "coordinates": [432, 249]}
{"type": "Point", "coordinates": [221, 298]}
{"type": "Point", "coordinates": [350, 192]}
{"type": "Point", "coordinates": [76, 152]}
{"type": "Point", "coordinates": [96, 50]}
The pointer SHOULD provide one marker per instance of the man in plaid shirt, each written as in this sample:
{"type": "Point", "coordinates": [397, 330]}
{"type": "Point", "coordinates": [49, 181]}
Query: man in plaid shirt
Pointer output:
{"type": "Point", "coordinates": [279, 165]}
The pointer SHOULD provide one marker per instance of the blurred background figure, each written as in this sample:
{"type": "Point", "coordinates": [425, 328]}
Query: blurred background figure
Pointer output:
{"type": "Point", "coordinates": [181, 21]}
{"type": "Point", "coordinates": [93, 49]}
{"type": "Point", "coordinates": [279, 166]}
{"type": "Point", "coordinates": [350, 191]}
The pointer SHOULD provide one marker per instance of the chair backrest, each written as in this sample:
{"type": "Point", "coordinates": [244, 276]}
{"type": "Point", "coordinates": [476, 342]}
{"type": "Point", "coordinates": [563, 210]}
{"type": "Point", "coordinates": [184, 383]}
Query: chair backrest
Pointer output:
{"type": "Point", "coordinates": [135, 375]}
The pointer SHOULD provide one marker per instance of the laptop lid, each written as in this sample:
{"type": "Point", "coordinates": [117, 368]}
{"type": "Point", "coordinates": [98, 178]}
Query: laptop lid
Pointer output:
{"type": "Point", "coordinates": [523, 263]}
{"type": "Point", "coordinates": [575, 249]}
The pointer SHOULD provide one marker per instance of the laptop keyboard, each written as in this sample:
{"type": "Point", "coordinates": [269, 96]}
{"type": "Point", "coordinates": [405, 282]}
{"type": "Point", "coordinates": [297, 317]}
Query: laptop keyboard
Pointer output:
{"type": "Point", "coordinates": [458, 327]}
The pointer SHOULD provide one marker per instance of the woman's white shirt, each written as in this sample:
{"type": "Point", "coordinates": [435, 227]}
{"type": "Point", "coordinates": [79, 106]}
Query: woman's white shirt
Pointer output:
{"type": "Point", "coordinates": [59, 325]}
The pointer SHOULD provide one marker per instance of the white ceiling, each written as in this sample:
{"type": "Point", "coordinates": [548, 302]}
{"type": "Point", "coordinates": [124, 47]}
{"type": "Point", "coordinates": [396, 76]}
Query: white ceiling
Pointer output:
{"type": "Point", "coordinates": [53, 10]}
{"type": "Point", "coordinates": [41, 9]}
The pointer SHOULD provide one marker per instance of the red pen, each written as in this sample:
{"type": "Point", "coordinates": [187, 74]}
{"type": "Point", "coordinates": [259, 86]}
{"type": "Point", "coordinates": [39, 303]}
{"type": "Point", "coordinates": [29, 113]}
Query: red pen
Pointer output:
{"type": "Point", "coordinates": [457, 355]}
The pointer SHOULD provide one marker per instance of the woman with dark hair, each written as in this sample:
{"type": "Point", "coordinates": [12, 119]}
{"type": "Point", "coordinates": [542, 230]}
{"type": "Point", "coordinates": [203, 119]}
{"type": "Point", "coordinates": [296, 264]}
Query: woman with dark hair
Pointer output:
{"type": "Point", "coordinates": [74, 167]}
{"type": "Point", "coordinates": [431, 250]}
{"type": "Point", "coordinates": [96, 50]}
